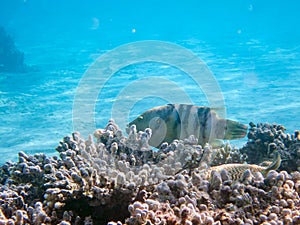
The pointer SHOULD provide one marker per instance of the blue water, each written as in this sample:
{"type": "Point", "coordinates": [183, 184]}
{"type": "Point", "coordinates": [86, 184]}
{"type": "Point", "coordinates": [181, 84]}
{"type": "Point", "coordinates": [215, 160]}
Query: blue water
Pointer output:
{"type": "Point", "coordinates": [251, 47]}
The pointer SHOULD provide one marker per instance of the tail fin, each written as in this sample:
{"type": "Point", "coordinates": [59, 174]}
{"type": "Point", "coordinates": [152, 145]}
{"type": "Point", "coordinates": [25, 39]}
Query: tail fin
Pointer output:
{"type": "Point", "coordinates": [235, 130]}
{"type": "Point", "coordinates": [274, 165]}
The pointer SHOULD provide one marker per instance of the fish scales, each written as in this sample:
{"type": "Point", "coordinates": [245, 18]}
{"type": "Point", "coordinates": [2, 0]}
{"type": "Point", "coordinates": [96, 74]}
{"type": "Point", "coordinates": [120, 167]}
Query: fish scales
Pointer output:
{"type": "Point", "coordinates": [197, 121]}
{"type": "Point", "coordinates": [204, 115]}
{"type": "Point", "coordinates": [189, 120]}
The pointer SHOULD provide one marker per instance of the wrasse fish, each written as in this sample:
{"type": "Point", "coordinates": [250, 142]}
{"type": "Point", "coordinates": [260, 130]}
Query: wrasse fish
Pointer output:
{"type": "Point", "coordinates": [179, 121]}
{"type": "Point", "coordinates": [236, 170]}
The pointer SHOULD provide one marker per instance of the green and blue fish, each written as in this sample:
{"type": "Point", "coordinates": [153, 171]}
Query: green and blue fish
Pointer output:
{"type": "Point", "coordinates": [179, 121]}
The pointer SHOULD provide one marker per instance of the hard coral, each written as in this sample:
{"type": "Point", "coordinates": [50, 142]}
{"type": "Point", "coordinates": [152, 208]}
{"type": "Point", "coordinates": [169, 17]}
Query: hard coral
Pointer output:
{"type": "Point", "coordinates": [118, 178]}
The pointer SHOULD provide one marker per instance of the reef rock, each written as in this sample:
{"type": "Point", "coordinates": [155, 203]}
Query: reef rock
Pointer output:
{"type": "Point", "coordinates": [11, 59]}
{"type": "Point", "coordinates": [265, 138]}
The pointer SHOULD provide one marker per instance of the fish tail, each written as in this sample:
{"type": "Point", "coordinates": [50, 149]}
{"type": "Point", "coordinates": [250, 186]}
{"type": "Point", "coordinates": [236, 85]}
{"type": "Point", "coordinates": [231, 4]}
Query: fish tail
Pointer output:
{"type": "Point", "coordinates": [234, 130]}
{"type": "Point", "coordinates": [274, 165]}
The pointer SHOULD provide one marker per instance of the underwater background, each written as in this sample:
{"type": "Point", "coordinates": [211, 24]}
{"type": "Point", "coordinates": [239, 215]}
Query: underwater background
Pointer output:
{"type": "Point", "coordinates": [251, 47]}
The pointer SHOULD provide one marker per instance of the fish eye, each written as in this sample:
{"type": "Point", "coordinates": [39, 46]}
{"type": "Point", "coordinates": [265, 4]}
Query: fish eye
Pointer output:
{"type": "Point", "coordinates": [140, 118]}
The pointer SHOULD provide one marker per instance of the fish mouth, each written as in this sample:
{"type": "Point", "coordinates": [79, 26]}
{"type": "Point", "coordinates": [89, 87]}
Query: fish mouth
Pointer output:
{"type": "Point", "coordinates": [235, 130]}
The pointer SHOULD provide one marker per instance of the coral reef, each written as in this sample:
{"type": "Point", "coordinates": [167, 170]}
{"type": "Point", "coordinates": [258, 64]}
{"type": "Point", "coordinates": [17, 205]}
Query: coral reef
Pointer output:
{"type": "Point", "coordinates": [116, 179]}
{"type": "Point", "coordinates": [11, 59]}
{"type": "Point", "coordinates": [264, 138]}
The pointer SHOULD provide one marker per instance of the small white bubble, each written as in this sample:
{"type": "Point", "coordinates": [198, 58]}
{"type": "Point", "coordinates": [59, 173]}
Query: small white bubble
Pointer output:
{"type": "Point", "coordinates": [133, 30]}
{"type": "Point", "coordinates": [95, 23]}
{"type": "Point", "coordinates": [239, 31]}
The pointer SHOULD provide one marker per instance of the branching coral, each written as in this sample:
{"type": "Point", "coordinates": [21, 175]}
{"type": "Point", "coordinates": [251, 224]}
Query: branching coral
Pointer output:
{"type": "Point", "coordinates": [118, 178]}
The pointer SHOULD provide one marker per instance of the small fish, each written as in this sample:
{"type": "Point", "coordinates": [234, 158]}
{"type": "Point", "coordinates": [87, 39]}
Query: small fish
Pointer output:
{"type": "Point", "coordinates": [179, 121]}
{"type": "Point", "coordinates": [236, 170]}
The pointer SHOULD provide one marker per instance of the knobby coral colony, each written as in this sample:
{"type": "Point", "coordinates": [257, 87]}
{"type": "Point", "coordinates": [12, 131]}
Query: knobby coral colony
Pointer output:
{"type": "Point", "coordinates": [120, 178]}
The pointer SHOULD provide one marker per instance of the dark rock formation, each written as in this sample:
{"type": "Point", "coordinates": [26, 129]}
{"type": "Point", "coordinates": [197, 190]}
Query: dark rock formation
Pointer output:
{"type": "Point", "coordinates": [11, 59]}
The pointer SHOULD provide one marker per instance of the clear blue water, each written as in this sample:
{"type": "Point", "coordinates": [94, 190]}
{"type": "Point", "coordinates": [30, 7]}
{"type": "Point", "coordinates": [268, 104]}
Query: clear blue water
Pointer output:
{"type": "Point", "coordinates": [252, 48]}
